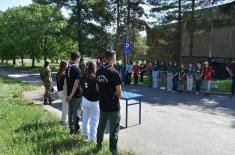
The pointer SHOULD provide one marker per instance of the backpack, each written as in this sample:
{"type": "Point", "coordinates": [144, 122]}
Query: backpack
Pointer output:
{"type": "Point", "coordinates": [42, 74]}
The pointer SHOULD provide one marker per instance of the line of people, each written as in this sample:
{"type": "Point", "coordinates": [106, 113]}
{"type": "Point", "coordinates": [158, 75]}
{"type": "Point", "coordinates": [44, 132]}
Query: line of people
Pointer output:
{"type": "Point", "coordinates": [94, 93]}
{"type": "Point", "coordinates": [172, 77]}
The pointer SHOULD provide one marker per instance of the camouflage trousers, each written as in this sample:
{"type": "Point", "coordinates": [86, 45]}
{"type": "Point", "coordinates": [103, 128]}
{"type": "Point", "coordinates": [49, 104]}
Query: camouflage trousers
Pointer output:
{"type": "Point", "coordinates": [47, 95]}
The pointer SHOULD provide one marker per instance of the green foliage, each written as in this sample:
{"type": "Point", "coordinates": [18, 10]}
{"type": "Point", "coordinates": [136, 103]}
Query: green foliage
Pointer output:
{"type": "Point", "coordinates": [34, 31]}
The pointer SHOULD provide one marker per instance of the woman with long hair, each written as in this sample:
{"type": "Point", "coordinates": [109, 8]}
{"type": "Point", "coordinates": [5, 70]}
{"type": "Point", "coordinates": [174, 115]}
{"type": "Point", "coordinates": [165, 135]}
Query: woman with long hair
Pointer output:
{"type": "Point", "coordinates": [90, 102]}
{"type": "Point", "coordinates": [60, 77]}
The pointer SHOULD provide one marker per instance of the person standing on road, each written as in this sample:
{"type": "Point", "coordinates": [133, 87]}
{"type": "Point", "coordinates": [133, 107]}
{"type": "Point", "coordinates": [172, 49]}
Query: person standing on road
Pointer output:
{"type": "Point", "coordinates": [189, 76]}
{"type": "Point", "coordinates": [73, 91]}
{"type": "Point", "coordinates": [90, 103]}
{"type": "Point", "coordinates": [207, 77]}
{"type": "Point", "coordinates": [182, 76]}
{"type": "Point", "coordinates": [175, 70]}
{"type": "Point", "coordinates": [136, 71]}
{"type": "Point", "coordinates": [150, 74]}
{"type": "Point", "coordinates": [128, 73]}
{"type": "Point", "coordinates": [231, 70]}
{"type": "Point", "coordinates": [60, 78]}
{"type": "Point", "coordinates": [170, 77]}
{"type": "Point", "coordinates": [142, 71]}
{"type": "Point", "coordinates": [198, 77]}
{"type": "Point", "coordinates": [163, 71]}
{"type": "Point", "coordinates": [45, 75]}
{"type": "Point", "coordinates": [155, 74]}
{"type": "Point", "coordinates": [110, 91]}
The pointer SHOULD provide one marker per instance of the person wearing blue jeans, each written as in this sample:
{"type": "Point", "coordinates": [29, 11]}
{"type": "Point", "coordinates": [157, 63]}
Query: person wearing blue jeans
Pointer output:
{"type": "Point", "coordinates": [231, 70]}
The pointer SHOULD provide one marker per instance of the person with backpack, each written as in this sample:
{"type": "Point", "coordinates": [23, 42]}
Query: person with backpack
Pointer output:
{"type": "Point", "coordinates": [90, 103]}
{"type": "Point", "coordinates": [60, 77]}
{"type": "Point", "coordinates": [45, 76]}
{"type": "Point", "coordinates": [110, 91]}
{"type": "Point", "coordinates": [72, 88]}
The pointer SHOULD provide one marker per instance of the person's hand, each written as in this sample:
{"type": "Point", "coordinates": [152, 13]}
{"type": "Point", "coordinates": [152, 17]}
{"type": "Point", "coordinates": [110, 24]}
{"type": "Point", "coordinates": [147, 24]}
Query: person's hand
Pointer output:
{"type": "Point", "coordinates": [68, 98]}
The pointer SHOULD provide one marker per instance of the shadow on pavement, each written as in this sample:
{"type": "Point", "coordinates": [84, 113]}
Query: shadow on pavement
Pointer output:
{"type": "Point", "coordinates": [196, 102]}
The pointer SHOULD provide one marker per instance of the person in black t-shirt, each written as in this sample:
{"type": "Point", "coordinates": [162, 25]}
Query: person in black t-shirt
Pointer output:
{"type": "Point", "coordinates": [231, 70]}
{"type": "Point", "coordinates": [90, 102]}
{"type": "Point", "coordinates": [60, 77]}
{"type": "Point", "coordinates": [73, 91]}
{"type": "Point", "coordinates": [109, 87]}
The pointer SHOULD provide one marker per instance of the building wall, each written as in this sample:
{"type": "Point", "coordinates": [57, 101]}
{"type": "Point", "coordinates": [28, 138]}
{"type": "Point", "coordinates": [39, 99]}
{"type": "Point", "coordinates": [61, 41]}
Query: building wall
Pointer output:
{"type": "Point", "coordinates": [223, 43]}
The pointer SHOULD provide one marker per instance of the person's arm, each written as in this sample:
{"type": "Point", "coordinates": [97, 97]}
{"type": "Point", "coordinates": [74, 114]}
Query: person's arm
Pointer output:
{"type": "Point", "coordinates": [119, 91]}
{"type": "Point", "coordinates": [65, 87]}
{"type": "Point", "coordinates": [229, 71]}
{"type": "Point", "coordinates": [75, 87]}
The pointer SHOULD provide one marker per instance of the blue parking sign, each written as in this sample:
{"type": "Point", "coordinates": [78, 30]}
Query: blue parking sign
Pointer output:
{"type": "Point", "coordinates": [127, 48]}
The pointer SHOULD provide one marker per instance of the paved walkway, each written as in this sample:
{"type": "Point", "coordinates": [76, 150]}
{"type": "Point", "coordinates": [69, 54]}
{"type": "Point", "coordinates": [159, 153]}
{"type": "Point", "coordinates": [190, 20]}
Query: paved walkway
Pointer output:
{"type": "Point", "coordinates": [173, 123]}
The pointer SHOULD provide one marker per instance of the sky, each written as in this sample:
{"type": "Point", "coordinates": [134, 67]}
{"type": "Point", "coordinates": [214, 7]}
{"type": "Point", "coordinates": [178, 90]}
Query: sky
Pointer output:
{"type": "Point", "coordinates": [4, 4]}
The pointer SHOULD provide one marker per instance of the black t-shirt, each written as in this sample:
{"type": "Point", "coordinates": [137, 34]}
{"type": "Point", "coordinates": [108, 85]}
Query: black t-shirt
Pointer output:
{"type": "Point", "coordinates": [73, 73]}
{"type": "Point", "coordinates": [107, 80]}
{"type": "Point", "coordinates": [89, 88]}
{"type": "Point", "coordinates": [60, 82]}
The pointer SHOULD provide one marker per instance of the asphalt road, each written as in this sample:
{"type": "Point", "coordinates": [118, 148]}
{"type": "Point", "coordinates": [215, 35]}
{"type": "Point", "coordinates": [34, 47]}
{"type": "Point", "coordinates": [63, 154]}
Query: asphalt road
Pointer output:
{"type": "Point", "coordinates": [173, 123]}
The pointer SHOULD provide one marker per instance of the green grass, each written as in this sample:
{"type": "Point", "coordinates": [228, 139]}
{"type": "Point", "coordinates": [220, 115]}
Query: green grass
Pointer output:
{"type": "Point", "coordinates": [27, 66]}
{"type": "Point", "coordinates": [27, 129]}
{"type": "Point", "coordinates": [218, 86]}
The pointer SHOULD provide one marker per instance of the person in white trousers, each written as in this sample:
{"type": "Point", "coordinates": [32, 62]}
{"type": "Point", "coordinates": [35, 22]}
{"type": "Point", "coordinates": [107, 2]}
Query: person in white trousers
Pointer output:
{"type": "Point", "coordinates": [155, 70]}
{"type": "Point", "coordinates": [189, 75]}
{"type": "Point", "coordinates": [90, 103]}
{"type": "Point", "coordinates": [60, 77]}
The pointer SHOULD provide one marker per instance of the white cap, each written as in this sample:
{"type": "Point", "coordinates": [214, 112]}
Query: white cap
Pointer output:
{"type": "Point", "coordinates": [206, 63]}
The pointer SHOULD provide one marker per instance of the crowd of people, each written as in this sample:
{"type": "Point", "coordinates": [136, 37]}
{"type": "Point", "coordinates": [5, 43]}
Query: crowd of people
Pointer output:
{"type": "Point", "coordinates": [90, 92]}
{"type": "Point", "coordinates": [171, 76]}
{"type": "Point", "coordinates": [95, 93]}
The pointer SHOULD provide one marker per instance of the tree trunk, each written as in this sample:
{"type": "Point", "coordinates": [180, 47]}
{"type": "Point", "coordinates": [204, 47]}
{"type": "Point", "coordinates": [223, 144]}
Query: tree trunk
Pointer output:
{"type": "Point", "coordinates": [179, 33]}
{"type": "Point", "coordinates": [192, 32]}
{"type": "Point", "coordinates": [7, 61]}
{"type": "Point", "coordinates": [14, 61]}
{"type": "Point", "coordinates": [2, 61]}
{"type": "Point", "coordinates": [119, 53]}
{"type": "Point", "coordinates": [33, 62]}
{"type": "Point", "coordinates": [22, 60]}
{"type": "Point", "coordinates": [79, 22]}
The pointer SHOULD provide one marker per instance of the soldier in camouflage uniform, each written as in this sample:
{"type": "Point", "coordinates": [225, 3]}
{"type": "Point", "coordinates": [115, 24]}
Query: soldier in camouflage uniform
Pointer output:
{"type": "Point", "coordinates": [47, 81]}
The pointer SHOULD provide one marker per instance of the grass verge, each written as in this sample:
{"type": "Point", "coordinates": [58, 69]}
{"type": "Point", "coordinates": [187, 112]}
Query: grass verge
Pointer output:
{"type": "Point", "coordinates": [27, 129]}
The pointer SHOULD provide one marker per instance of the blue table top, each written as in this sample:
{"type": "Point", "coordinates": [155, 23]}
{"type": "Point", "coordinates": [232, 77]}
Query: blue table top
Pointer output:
{"type": "Point", "coordinates": [128, 95]}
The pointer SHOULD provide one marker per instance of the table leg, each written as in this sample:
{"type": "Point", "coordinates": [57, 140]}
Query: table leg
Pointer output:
{"type": "Point", "coordinates": [140, 111]}
{"type": "Point", "coordinates": [126, 113]}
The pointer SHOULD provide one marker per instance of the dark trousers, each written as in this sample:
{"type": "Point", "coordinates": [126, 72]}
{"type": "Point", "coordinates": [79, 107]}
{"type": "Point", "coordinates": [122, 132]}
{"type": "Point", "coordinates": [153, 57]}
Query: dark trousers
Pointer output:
{"type": "Point", "coordinates": [198, 85]}
{"type": "Point", "coordinates": [74, 106]}
{"type": "Point", "coordinates": [175, 83]}
{"type": "Point", "coordinates": [114, 120]}
{"type": "Point", "coordinates": [233, 85]}
{"type": "Point", "coordinates": [142, 77]}
{"type": "Point", "coordinates": [128, 79]}
{"type": "Point", "coordinates": [136, 77]}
